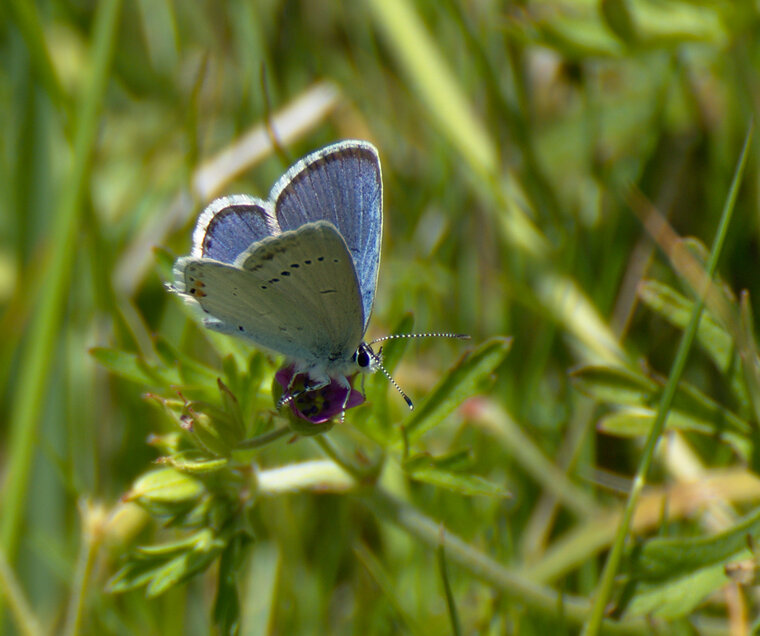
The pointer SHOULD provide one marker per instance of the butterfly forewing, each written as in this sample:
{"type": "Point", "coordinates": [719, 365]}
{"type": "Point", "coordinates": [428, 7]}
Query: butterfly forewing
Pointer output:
{"type": "Point", "coordinates": [295, 293]}
{"type": "Point", "coordinates": [341, 184]}
{"type": "Point", "coordinates": [228, 226]}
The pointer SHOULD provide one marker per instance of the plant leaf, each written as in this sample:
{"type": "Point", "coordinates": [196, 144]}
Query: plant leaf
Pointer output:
{"type": "Point", "coordinates": [442, 472]}
{"type": "Point", "coordinates": [615, 385]}
{"type": "Point", "coordinates": [198, 540]}
{"type": "Point", "coordinates": [678, 596]}
{"type": "Point", "coordinates": [165, 491]}
{"type": "Point", "coordinates": [227, 603]}
{"type": "Point", "coordinates": [132, 367]}
{"type": "Point", "coordinates": [466, 379]}
{"type": "Point", "coordinates": [464, 484]}
{"type": "Point", "coordinates": [672, 576]}
{"type": "Point", "coordinates": [677, 308]}
{"type": "Point", "coordinates": [665, 558]}
{"type": "Point", "coordinates": [618, 18]}
{"type": "Point", "coordinates": [180, 569]}
{"type": "Point", "coordinates": [636, 422]}
{"type": "Point", "coordinates": [194, 462]}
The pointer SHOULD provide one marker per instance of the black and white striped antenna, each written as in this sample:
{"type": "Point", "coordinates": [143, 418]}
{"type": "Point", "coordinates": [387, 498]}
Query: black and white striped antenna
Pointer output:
{"type": "Point", "coordinates": [377, 357]}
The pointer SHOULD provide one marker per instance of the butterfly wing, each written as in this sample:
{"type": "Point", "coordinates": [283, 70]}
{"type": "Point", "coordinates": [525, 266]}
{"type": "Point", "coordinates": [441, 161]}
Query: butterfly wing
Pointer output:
{"type": "Point", "coordinates": [295, 293]}
{"type": "Point", "coordinates": [341, 184]}
{"type": "Point", "coordinates": [229, 225]}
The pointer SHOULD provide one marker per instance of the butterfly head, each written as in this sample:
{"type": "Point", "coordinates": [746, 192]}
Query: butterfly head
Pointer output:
{"type": "Point", "coordinates": [366, 359]}
{"type": "Point", "coordinates": [369, 361]}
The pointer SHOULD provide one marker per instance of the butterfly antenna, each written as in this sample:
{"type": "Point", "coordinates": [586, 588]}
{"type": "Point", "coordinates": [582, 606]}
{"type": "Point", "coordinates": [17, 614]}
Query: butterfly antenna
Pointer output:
{"type": "Point", "coordinates": [379, 365]}
{"type": "Point", "coordinates": [285, 399]}
{"type": "Point", "coordinates": [433, 334]}
{"type": "Point", "coordinates": [378, 360]}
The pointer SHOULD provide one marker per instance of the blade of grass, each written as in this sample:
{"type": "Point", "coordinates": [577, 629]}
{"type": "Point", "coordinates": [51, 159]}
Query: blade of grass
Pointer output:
{"type": "Point", "coordinates": [93, 519]}
{"type": "Point", "coordinates": [428, 73]}
{"type": "Point", "coordinates": [384, 581]}
{"type": "Point", "coordinates": [26, 621]}
{"type": "Point", "coordinates": [40, 345]}
{"type": "Point", "coordinates": [28, 22]}
{"type": "Point", "coordinates": [540, 598]}
{"type": "Point", "coordinates": [456, 626]}
{"type": "Point", "coordinates": [594, 623]}
{"type": "Point", "coordinates": [498, 424]}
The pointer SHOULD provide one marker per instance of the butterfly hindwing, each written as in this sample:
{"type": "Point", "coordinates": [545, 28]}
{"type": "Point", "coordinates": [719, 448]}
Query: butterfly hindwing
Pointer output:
{"type": "Point", "coordinates": [295, 293]}
{"type": "Point", "coordinates": [341, 184]}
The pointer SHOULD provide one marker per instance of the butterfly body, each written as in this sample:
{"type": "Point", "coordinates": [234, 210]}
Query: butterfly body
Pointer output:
{"type": "Point", "coordinates": [295, 274]}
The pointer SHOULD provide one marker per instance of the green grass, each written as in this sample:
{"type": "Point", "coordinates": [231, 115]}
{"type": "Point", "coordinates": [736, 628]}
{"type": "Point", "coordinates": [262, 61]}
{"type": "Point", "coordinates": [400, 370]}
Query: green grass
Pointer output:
{"type": "Point", "coordinates": [516, 142]}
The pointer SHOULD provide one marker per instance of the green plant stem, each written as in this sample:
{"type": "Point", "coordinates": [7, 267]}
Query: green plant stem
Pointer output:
{"type": "Point", "coordinates": [43, 334]}
{"type": "Point", "coordinates": [27, 19]}
{"type": "Point", "coordinates": [384, 581]}
{"type": "Point", "coordinates": [333, 453]}
{"type": "Point", "coordinates": [263, 440]}
{"type": "Point", "coordinates": [593, 625]}
{"type": "Point", "coordinates": [540, 598]}
{"type": "Point", "coordinates": [91, 533]}
{"type": "Point", "coordinates": [26, 621]}
{"type": "Point", "coordinates": [428, 73]}
{"type": "Point", "coordinates": [505, 430]}
{"type": "Point", "coordinates": [456, 626]}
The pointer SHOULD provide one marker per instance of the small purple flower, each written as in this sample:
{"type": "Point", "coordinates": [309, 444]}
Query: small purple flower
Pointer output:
{"type": "Point", "coordinates": [319, 405]}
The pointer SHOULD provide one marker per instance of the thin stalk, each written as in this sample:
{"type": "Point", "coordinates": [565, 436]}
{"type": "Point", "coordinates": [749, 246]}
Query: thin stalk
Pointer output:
{"type": "Point", "coordinates": [263, 440]}
{"type": "Point", "coordinates": [592, 627]}
{"type": "Point", "coordinates": [451, 603]}
{"type": "Point", "coordinates": [539, 598]}
{"type": "Point", "coordinates": [43, 334]}
{"type": "Point", "coordinates": [333, 453]}
{"type": "Point", "coordinates": [26, 621]}
{"type": "Point", "coordinates": [27, 19]}
{"type": "Point", "coordinates": [92, 523]}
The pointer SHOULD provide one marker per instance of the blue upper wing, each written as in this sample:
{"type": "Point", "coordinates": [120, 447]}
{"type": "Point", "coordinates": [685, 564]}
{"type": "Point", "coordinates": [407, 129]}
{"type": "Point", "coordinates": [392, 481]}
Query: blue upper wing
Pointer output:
{"type": "Point", "coordinates": [229, 225]}
{"type": "Point", "coordinates": [341, 184]}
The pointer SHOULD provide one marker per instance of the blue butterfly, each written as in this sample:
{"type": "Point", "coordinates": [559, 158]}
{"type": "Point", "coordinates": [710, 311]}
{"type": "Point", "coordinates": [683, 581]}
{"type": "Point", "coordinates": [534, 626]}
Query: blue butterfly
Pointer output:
{"type": "Point", "coordinates": [296, 274]}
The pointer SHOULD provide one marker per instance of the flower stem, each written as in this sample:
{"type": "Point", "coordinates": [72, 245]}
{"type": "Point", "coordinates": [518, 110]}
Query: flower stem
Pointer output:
{"type": "Point", "coordinates": [263, 440]}
{"type": "Point", "coordinates": [333, 453]}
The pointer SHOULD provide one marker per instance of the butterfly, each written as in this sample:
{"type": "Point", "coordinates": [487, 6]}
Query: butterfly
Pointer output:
{"type": "Point", "coordinates": [297, 274]}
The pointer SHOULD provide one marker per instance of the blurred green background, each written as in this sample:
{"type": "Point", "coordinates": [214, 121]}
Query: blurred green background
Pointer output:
{"type": "Point", "coordinates": [511, 136]}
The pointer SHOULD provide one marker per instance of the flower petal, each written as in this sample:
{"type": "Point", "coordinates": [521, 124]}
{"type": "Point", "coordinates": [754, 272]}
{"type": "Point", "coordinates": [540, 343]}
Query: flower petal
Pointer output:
{"type": "Point", "coordinates": [319, 405]}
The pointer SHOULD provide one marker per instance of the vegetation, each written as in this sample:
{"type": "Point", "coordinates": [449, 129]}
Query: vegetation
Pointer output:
{"type": "Point", "coordinates": [562, 181]}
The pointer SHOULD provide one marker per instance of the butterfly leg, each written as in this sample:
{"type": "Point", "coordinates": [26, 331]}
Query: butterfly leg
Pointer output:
{"type": "Point", "coordinates": [343, 381]}
{"type": "Point", "coordinates": [314, 384]}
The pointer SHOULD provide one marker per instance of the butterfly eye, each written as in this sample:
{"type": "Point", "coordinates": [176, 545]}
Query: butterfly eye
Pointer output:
{"type": "Point", "coordinates": [362, 358]}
